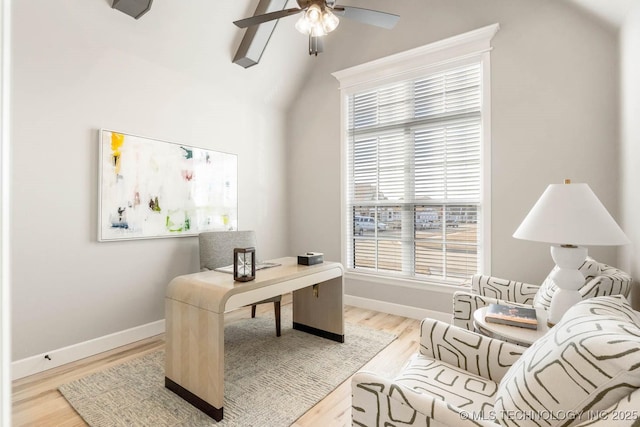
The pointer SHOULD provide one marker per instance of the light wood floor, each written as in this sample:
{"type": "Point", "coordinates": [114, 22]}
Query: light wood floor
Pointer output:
{"type": "Point", "coordinates": [37, 401]}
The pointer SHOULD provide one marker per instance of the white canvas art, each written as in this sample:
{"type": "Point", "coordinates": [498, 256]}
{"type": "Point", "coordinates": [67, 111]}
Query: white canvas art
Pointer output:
{"type": "Point", "coordinates": [151, 188]}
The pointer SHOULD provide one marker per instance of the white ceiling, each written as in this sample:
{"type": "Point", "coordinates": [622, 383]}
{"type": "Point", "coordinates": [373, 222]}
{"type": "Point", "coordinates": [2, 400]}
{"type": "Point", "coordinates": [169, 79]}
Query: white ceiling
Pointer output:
{"type": "Point", "coordinates": [612, 12]}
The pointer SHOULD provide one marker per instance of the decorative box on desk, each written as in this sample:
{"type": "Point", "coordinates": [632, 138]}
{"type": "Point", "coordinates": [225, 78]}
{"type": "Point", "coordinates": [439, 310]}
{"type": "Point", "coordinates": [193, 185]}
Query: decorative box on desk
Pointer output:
{"type": "Point", "coordinates": [311, 258]}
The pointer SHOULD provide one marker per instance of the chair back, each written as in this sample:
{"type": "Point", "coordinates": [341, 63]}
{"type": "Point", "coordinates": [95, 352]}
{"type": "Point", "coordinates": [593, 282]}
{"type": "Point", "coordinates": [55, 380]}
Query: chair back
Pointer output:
{"type": "Point", "coordinates": [600, 280]}
{"type": "Point", "coordinates": [216, 247]}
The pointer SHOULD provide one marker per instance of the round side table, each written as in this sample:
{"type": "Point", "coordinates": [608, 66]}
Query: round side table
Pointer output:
{"type": "Point", "coordinates": [514, 334]}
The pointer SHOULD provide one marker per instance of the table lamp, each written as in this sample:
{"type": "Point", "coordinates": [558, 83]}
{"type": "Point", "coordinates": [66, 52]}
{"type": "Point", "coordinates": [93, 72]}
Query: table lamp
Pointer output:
{"type": "Point", "coordinates": [569, 216]}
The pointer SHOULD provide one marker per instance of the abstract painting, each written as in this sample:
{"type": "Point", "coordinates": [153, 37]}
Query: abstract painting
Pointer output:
{"type": "Point", "coordinates": [151, 188]}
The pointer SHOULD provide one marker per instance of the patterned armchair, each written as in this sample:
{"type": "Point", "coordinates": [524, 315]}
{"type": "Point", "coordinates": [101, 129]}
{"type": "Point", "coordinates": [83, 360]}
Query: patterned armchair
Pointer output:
{"type": "Point", "coordinates": [600, 280]}
{"type": "Point", "coordinates": [584, 371]}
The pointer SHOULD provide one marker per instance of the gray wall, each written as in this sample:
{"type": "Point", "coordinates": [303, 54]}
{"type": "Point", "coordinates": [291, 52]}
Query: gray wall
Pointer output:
{"type": "Point", "coordinates": [554, 116]}
{"type": "Point", "coordinates": [630, 144]}
{"type": "Point", "coordinates": [79, 65]}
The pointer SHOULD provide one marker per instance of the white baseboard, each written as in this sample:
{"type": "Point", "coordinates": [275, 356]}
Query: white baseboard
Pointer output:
{"type": "Point", "coordinates": [38, 363]}
{"type": "Point", "coordinates": [397, 309]}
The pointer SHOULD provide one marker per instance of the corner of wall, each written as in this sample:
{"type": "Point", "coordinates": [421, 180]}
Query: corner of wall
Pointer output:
{"type": "Point", "coordinates": [629, 48]}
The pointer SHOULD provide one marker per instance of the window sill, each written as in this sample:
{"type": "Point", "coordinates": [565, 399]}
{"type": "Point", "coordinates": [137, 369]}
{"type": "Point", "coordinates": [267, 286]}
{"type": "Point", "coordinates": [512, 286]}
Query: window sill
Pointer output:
{"type": "Point", "coordinates": [448, 287]}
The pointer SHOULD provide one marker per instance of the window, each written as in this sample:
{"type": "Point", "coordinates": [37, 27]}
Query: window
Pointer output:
{"type": "Point", "coordinates": [417, 166]}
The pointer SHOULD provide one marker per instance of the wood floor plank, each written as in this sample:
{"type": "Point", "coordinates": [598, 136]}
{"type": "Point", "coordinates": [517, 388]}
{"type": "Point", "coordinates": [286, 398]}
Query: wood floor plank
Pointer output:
{"type": "Point", "coordinates": [36, 400]}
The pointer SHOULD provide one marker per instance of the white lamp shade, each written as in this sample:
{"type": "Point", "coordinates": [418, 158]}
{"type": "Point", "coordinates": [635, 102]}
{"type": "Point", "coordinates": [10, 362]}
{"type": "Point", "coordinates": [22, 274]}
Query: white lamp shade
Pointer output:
{"type": "Point", "coordinates": [570, 214]}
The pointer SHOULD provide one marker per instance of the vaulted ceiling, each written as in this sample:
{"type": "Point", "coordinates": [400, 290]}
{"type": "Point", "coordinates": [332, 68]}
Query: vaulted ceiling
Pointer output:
{"type": "Point", "coordinates": [286, 53]}
{"type": "Point", "coordinates": [612, 12]}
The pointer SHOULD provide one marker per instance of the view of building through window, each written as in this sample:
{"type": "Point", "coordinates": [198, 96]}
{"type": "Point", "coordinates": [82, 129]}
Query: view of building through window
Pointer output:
{"type": "Point", "coordinates": [443, 247]}
{"type": "Point", "coordinates": [414, 175]}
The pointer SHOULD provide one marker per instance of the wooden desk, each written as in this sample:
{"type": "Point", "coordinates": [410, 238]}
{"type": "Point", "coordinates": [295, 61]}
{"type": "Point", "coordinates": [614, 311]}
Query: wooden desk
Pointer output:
{"type": "Point", "coordinates": [195, 305]}
{"type": "Point", "coordinates": [514, 334]}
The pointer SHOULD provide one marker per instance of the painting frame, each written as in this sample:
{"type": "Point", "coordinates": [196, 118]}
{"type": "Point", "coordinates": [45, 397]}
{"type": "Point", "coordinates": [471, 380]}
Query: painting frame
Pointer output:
{"type": "Point", "coordinates": [151, 188]}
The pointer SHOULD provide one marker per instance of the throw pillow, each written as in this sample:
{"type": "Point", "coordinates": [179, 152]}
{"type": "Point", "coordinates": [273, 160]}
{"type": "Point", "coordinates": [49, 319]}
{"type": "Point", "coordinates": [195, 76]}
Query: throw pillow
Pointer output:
{"type": "Point", "coordinates": [586, 363]}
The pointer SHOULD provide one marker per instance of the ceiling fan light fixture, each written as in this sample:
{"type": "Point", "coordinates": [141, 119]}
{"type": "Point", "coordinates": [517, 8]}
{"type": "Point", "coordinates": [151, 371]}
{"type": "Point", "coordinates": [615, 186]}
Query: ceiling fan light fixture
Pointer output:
{"type": "Point", "coordinates": [317, 19]}
{"type": "Point", "coordinates": [316, 22]}
{"type": "Point", "coordinates": [317, 30]}
{"type": "Point", "coordinates": [303, 25]}
{"type": "Point", "coordinates": [313, 14]}
{"type": "Point", "coordinates": [329, 21]}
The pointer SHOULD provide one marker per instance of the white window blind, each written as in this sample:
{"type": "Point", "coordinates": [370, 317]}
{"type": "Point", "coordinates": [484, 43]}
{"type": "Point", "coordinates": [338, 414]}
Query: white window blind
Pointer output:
{"type": "Point", "coordinates": [414, 175]}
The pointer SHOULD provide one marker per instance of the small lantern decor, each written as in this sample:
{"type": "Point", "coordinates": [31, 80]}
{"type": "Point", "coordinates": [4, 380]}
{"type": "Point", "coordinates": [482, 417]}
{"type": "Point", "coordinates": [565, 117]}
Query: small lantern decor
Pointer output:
{"type": "Point", "coordinates": [244, 264]}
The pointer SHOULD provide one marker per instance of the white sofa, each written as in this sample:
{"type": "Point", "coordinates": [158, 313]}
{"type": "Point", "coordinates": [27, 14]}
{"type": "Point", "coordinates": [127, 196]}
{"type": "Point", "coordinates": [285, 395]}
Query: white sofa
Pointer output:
{"type": "Point", "coordinates": [584, 371]}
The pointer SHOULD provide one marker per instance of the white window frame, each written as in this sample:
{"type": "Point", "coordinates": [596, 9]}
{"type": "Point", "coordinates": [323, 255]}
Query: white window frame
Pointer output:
{"type": "Point", "coordinates": [471, 47]}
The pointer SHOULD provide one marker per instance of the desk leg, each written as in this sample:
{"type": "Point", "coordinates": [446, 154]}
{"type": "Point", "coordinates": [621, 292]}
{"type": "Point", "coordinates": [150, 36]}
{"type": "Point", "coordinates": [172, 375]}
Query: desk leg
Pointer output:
{"type": "Point", "coordinates": [194, 366]}
{"type": "Point", "coordinates": [319, 310]}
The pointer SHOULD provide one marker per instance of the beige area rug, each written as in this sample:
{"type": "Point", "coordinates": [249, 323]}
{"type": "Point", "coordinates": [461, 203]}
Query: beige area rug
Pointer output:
{"type": "Point", "coordinates": [269, 381]}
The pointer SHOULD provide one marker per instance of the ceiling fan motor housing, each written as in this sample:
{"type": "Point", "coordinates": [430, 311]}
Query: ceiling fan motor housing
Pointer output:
{"type": "Point", "coordinates": [303, 4]}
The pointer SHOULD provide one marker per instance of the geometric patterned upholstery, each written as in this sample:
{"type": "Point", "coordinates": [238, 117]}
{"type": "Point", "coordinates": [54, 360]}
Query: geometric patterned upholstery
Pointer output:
{"type": "Point", "coordinates": [456, 372]}
{"type": "Point", "coordinates": [509, 290]}
{"type": "Point", "coordinates": [451, 384]}
{"type": "Point", "coordinates": [600, 280]}
{"type": "Point", "coordinates": [475, 353]}
{"type": "Point", "coordinates": [589, 361]}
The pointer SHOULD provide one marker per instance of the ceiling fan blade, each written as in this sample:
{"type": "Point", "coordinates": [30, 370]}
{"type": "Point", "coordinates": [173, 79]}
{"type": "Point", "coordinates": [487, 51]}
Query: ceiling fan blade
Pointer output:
{"type": "Point", "coordinates": [368, 16]}
{"type": "Point", "coordinates": [259, 19]}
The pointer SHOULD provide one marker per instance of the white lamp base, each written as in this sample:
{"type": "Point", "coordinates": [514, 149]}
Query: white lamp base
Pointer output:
{"type": "Point", "coordinates": [567, 278]}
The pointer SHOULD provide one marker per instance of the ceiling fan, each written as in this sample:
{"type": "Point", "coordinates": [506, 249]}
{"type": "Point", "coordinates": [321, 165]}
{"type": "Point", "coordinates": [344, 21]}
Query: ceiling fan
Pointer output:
{"type": "Point", "coordinates": [319, 18]}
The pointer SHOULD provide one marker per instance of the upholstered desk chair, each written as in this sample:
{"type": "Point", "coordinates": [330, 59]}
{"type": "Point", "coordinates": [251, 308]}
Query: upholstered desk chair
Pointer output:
{"type": "Point", "coordinates": [216, 250]}
{"type": "Point", "coordinates": [585, 371]}
{"type": "Point", "coordinates": [600, 280]}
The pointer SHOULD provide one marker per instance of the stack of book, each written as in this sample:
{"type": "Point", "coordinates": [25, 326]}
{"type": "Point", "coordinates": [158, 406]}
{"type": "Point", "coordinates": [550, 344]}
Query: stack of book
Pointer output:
{"type": "Point", "coordinates": [522, 317]}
